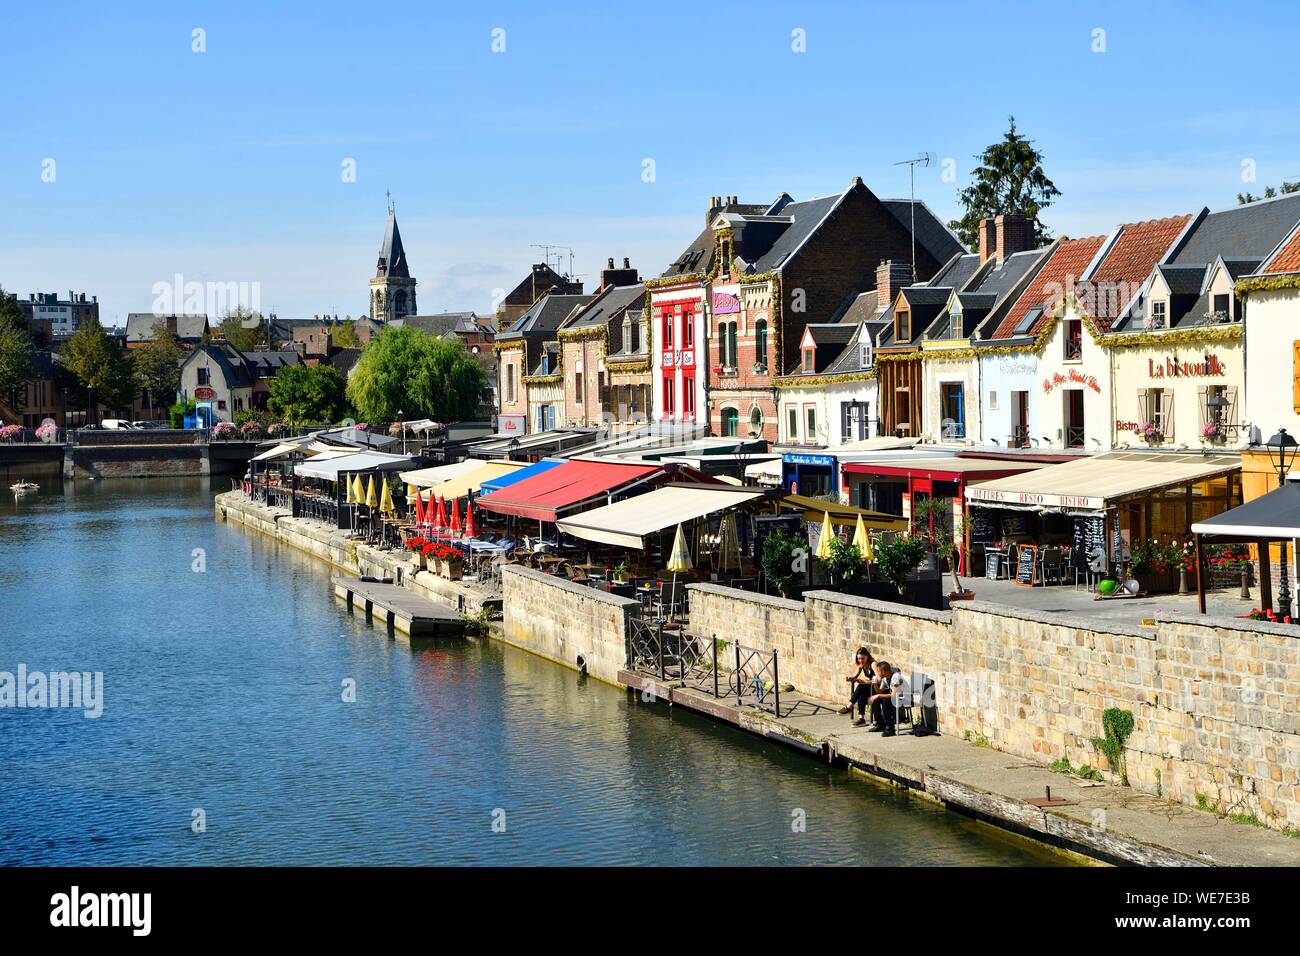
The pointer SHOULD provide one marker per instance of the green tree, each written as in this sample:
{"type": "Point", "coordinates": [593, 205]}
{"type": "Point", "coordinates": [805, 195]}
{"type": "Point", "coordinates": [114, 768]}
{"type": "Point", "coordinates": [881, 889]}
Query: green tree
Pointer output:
{"type": "Point", "coordinates": [11, 316]}
{"type": "Point", "coordinates": [308, 394]}
{"type": "Point", "coordinates": [98, 363]}
{"type": "Point", "coordinates": [403, 369]}
{"type": "Point", "coordinates": [1269, 192]}
{"type": "Point", "coordinates": [344, 335]}
{"type": "Point", "coordinates": [234, 329]}
{"type": "Point", "coordinates": [158, 365]}
{"type": "Point", "coordinates": [1009, 178]}
{"type": "Point", "coordinates": [15, 349]}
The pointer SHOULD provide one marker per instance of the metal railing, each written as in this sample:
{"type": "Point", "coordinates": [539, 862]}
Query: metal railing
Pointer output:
{"type": "Point", "coordinates": [674, 655]}
{"type": "Point", "coordinates": [1074, 436]}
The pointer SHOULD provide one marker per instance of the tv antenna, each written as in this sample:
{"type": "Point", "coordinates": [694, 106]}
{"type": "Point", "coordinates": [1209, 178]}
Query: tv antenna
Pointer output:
{"type": "Point", "coordinates": [925, 159]}
{"type": "Point", "coordinates": [546, 252]}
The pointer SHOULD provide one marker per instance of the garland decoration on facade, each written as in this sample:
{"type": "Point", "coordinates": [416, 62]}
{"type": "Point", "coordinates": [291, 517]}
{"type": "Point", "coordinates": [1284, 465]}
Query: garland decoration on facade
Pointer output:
{"type": "Point", "coordinates": [1273, 283]}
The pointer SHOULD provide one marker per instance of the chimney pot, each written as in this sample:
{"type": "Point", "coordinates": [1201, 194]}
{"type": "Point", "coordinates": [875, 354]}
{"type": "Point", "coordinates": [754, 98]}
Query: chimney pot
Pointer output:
{"type": "Point", "coordinates": [626, 263]}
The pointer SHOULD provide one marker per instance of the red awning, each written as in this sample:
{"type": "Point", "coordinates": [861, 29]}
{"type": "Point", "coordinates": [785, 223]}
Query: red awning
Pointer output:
{"type": "Point", "coordinates": [562, 488]}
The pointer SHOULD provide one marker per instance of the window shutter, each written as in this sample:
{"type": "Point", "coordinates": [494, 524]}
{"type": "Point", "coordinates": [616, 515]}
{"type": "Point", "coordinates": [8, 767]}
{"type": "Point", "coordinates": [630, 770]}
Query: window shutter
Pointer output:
{"type": "Point", "coordinates": [1169, 414]}
{"type": "Point", "coordinates": [1230, 393]}
{"type": "Point", "coordinates": [1144, 410]}
{"type": "Point", "coordinates": [1202, 411]}
{"type": "Point", "coordinates": [1295, 376]}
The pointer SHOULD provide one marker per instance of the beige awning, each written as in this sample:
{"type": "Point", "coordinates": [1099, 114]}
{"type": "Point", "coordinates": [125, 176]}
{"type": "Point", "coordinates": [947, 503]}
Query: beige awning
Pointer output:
{"type": "Point", "coordinates": [627, 523]}
{"type": "Point", "coordinates": [425, 477]}
{"type": "Point", "coordinates": [816, 509]}
{"type": "Point", "coordinates": [469, 482]}
{"type": "Point", "coordinates": [1088, 484]}
{"type": "Point", "coordinates": [879, 443]}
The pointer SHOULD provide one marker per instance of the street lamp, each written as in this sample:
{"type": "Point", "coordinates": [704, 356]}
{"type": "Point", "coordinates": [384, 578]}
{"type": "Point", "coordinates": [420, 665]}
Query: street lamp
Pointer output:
{"type": "Point", "coordinates": [1218, 406]}
{"type": "Point", "coordinates": [402, 422]}
{"type": "Point", "coordinates": [1281, 452]}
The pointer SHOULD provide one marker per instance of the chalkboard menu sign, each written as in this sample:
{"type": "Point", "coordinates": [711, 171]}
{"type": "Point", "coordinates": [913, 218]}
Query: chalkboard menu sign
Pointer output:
{"type": "Point", "coordinates": [1089, 536]}
{"type": "Point", "coordinates": [1116, 542]}
{"type": "Point", "coordinates": [992, 564]}
{"type": "Point", "coordinates": [1027, 566]}
{"type": "Point", "coordinates": [983, 525]}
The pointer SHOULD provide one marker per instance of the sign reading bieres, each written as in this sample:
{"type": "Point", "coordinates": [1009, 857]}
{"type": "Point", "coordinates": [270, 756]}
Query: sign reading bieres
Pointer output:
{"type": "Point", "coordinates": [1084, 502]}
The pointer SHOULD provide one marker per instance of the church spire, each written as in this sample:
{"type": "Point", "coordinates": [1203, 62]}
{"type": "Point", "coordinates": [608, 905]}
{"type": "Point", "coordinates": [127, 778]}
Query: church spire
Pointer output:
{"type": "Point", "coordinates": [392, 257]}
{"type": "Point", "coordinates": [392, 290]}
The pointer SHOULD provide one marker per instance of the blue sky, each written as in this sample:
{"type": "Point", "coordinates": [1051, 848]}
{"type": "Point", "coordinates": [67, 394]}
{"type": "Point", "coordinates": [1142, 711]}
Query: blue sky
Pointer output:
{"type": "Point", "coordinates": [226, 165]}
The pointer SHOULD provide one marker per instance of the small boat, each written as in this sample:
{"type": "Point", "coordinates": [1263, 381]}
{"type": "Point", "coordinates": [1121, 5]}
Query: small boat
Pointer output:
{"type": "Point", "coordinates": [20, 488]}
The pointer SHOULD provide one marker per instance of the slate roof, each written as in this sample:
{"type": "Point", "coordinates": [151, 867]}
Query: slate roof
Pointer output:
{"type": "Point", "coordinates": [1183, 280]}
{"type": "Point", "coordinates": [139, 325]}
{"type": "Point", "coordinates": [1069, 259]}
{"type": "Point", "coordinates": [829, 340]}
{"type": "Point", "coordinates": [1248, 231]}
{"type": "Point", "coordinates": [235, 369]}
{"type": "Point", "coordinates": [621, 348]}
{"type": "Point", "coordinates": [850, 359]}
{"type": "Point", "coordinates": [266, 363]}
{"type": "Point", "coordinates": [607, 305]}
{"type": "Point", "coordinates": [392, 255]}
{"type": "Point", "coordinates": [857, 308]}
{"type": "Point", "coordinates": [956, 272]}
{"type": "Point", "coordinates": [545, 316]}
{"type": "Point", "coordinates": [344, 359]}
{"type": "Point", "coordinates": [445, 324]}
{"type": "Point", "coordinates": [931, 233]}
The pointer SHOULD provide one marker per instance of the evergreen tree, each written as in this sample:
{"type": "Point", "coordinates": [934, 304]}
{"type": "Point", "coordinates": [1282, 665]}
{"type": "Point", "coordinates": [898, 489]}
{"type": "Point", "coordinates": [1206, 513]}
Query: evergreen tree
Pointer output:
{"type": "Point", "coordinates": [1009, 179]}
{"type": "Point", "coordinates": [236, 328]}
{"type": "Point", "coordinates": [98, 363]}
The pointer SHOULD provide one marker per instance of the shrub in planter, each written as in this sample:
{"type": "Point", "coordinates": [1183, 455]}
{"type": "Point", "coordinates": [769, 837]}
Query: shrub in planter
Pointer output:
{"type": "Point", "coordinates": [780, 561]}
{"type": "Point", "coordinates": [845, 567]}
{"type": "Point", "coordinates": [10, 433]}
{"type": "Point", "coordinates": [223, 430]}
{"type": "Point", "coordinates": [899, 556]}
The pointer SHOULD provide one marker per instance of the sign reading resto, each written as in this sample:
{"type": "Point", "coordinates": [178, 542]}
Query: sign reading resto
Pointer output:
{"type": "Point", "coordinates": [1042, 500]}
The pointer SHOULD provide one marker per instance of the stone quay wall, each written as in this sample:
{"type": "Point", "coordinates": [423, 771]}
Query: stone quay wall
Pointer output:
{"type": "Point", "coordinates": [565, 622]}
{"type": "Point", "coordinates": [1215, 701]}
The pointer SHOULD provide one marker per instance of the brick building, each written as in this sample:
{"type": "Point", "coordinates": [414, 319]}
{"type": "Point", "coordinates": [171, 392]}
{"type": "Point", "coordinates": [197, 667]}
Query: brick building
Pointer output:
{"type": "Point", "coordinates": [604, 357]}
{"type": "Point", "coordinates": [729, 315]}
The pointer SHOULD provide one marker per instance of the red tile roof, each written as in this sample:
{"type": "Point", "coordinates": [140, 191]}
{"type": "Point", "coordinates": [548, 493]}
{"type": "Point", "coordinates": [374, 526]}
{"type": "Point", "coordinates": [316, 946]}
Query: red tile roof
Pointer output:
{"type": "Point", "coordinates": [1286, 259]}
{"type": "Point", "coordinates": [1058, 273]}
{"type": "Point", "coordinates": [1128, 262]}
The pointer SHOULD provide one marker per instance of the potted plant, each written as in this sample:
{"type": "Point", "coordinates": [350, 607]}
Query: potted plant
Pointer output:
{"type": "Point", "coordinates": [1154, 565]}
{"type": "Point", "coordinates": [781, 560]}
{"type": "Point", "coordinates": [844, 567]}
{"type": "Point", "coordinates": [622, 571]}
{"type": "Point", "coordinates": [430, 551]}
{"type": "Point", "coordinates": [415, 545]}
{"type": "Point", "coordinates": [453, 562]}
{"type": "Point", "coordinates": [899, 556]}
{"type": "Point", "coordinates": [1151, 433]}
{"type": "Point", "coordinates": [945, 543]}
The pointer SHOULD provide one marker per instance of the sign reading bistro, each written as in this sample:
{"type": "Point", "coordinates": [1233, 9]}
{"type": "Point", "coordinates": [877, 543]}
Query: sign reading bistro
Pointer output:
{"type": "Point", "coordinates": [1083, 502]}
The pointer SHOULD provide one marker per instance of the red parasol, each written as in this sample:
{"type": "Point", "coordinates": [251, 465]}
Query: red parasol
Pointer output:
{"type": "Point", "coordinates": [439, 518]}
{"type": "Point", "coordinates": [419, 509]}
{"type": "Point", "coordinates": [455, 515]}
{"type": "Point", "coordinates": [471, 528]}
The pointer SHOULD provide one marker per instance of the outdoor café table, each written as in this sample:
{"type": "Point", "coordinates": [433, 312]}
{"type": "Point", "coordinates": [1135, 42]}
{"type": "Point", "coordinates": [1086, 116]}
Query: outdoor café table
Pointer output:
{"type": "Point", "coordinates": [591, 570]}
{"type": "Point", "coordinates": [547, 561]}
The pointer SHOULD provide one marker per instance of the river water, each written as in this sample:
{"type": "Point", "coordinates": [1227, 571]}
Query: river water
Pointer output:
{"type": "Point", "coordinates": [226, 660]}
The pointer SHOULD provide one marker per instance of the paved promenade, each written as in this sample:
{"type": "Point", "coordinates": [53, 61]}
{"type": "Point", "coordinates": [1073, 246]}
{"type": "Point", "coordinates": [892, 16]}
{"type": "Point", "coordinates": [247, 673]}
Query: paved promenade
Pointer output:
{"type": "Point", "coordinates": [1103, 821]}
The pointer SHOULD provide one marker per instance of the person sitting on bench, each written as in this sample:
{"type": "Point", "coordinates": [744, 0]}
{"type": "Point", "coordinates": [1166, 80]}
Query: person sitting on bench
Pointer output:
{"type": "Point", "coordinates": [883, 714]}
{"type": "Point", "coordinates": [861, 682]}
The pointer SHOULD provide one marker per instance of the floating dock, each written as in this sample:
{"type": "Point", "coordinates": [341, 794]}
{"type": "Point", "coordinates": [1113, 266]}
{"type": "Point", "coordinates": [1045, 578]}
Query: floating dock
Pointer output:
{"type": "Point", "coordinates": [398, 608]}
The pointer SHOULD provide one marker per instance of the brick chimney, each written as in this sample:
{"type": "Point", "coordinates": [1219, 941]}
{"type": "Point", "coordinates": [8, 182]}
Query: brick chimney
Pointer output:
{"type": "Point", "coordinates": [1004, 235]}
{"type": "Point", "coordinates": [891, 276]}
{"type": "Point", "coordinates": [611, 276]}
{"type": "Point", "coordinates": [715, 207]}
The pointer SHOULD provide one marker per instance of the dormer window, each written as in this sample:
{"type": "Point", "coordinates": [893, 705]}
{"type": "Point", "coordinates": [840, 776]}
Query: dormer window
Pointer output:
{"type": "Point", "coordinates": [903, 326]}
{"type": "Point", "coordinates": [808, 359]}
{"type": "Point", "coordinates": [864, 355]}
{"type": "Point", "coordinates": [1159, 315]}
{"type": "Point", "coordinates": [1223, 308]}
{"type": "Point", "coordinates": [954, 324]}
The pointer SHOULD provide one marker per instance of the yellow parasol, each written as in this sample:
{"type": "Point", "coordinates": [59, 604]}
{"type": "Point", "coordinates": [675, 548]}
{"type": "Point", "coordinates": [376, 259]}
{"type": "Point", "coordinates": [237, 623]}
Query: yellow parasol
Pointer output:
{"type": "Point", "coordinates": [386, 499]}
{"type": "Point", "coordinates": [824, 542]}
{"type": "Point", "coordinates": [862, 541]}
{"type": "Point", "coordinates": [411, 491]}
{"type": "Point", "coordinates": [352, 499]}
{"type": "Point", "coordinates": [372, 500]}
{"type": "Point", "coordinates": [679, 560]}
{"type": "Point", "coordinates": [358, 491]}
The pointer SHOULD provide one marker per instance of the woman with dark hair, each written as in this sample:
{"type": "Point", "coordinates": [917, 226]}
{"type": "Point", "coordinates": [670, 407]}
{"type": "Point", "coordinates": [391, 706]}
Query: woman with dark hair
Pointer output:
{"type": "Point", "coordinates": [861, 683]}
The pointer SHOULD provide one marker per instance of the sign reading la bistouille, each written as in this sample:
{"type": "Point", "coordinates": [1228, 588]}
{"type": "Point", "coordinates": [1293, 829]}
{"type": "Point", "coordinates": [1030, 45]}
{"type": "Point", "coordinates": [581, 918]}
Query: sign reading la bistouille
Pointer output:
{"type": "Point", "coordinates": [1210, 367]}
